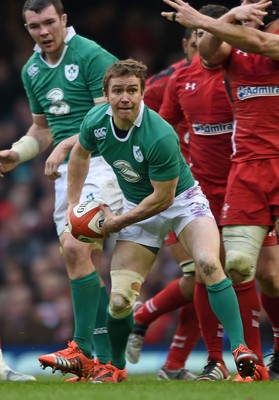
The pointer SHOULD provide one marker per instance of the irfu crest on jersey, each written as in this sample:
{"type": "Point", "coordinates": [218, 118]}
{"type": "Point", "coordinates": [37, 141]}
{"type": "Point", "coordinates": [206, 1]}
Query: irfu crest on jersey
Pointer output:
{"type": "Point", "coordinates": [71, 72]}
{"type": "Point", "coordinates": [137, 154]}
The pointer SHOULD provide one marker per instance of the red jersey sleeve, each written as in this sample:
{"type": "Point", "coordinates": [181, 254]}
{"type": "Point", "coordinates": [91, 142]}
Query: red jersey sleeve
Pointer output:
{"type": "Point", "coordinates": [170, 109]}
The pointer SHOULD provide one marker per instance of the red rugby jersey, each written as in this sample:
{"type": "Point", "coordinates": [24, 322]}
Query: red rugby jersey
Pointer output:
{"type": "Point", "coordinates": [254, 82]}
{"type": "Point", "coordinates": [155, 85]}
{"type": "Point", "coordinates": [199, 94]}
{"type": "Point", "coordinates": [153, 97]}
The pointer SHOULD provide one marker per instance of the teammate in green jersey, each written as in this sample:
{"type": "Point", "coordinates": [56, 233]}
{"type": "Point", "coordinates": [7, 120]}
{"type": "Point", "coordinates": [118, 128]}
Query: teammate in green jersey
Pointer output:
{"type": "Point", "coordinates": [160, 195]}
{"type": "Point", "coordinates": [63, 80]}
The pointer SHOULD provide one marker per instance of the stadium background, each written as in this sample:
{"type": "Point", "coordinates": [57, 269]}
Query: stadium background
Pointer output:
{"type": "Point", "coordinates": [35, 307]}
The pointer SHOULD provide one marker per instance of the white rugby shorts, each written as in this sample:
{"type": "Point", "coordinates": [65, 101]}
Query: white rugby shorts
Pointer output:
{"type": "Point", "coordinates": [151, 232]}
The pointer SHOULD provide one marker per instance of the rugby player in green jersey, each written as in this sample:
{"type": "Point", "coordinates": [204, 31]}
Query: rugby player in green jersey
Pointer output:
{"type": "Point", "coordinates": [160, 195]}
{"type": "Point", "coordinates": [63, 80]}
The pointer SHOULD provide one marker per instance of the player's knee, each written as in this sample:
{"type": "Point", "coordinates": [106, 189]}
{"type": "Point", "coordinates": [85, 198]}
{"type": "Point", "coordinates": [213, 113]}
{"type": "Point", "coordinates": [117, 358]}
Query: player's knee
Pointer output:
{"type": "Point", "coordinates": [119, 306]}
{"type": "Point", "coordinates": [125, 288]}
{"type": "Point", "coordinates": [69, 251]}
{"type": "Point", "coordinates": [75, 252]}
{"type": "Point", "coordinates": [207, 265]}
{"type": "Point", "coordinates": [239, 266]}
{"type": "Point", "coordinates": [242, 245]}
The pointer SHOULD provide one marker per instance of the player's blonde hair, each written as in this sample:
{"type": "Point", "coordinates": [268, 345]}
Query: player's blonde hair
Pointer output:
{"type": "Point", "coordinates": [126, 67]}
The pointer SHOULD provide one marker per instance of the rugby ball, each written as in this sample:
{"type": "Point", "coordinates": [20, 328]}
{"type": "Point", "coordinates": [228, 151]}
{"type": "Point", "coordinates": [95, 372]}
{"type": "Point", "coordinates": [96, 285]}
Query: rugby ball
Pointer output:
{"type": "Point", "coordinates": [86, 220]}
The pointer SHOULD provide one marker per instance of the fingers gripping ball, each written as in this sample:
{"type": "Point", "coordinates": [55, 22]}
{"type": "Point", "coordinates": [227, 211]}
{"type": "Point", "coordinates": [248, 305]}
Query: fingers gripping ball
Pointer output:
{"type": "Point", "coordinates": [86, 221]}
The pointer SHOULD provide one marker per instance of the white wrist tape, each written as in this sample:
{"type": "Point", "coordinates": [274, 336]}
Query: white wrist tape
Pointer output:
{"type": "Point", "coordinates": [27, 148]}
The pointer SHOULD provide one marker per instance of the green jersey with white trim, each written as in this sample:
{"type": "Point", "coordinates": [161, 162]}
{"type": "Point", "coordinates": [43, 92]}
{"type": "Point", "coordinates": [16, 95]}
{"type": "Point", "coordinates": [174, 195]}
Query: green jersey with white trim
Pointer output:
{"type": "Point", "coordinates": [64, 92]}
{"type": "Point", "coordinates": [149, 151]}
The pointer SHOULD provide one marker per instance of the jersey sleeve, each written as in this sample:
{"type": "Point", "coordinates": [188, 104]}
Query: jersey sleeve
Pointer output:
{"type": "Point", "coordinates": [170, 109]}
{"type": "Point", "coordinates": [86, 138]}
{"type": "Point", "coordinates": [33, 102]}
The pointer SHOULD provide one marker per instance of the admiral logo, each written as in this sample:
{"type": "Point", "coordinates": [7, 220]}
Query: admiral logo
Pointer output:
{"type": "Point", "coordinates": [212, 129]}
{"type": "Point", "coordinates": [100, 133]}
{"type": "Point", "coordinates": [33, 70]}
{"type": "Point", "coordinates": [247, 92]}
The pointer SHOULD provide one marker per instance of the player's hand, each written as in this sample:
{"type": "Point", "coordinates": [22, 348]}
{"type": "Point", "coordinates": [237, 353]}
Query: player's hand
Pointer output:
{"type": "Point", "coordinates": [53, 161]}
{"type": "Point", "coordinates": [182, 13]}
{"type": "Point", "coordinates": [111, 223]}
{"type": "Point", "coordinates": [9, 159]}
{"type": "Point", "coordinates": [251, 12]}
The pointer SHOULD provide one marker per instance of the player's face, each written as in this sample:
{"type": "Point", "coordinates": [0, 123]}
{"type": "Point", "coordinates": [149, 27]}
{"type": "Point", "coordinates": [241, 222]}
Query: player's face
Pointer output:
{"type": "Point", "coordinates": [125, 96]}
{"type": "Point", "coordinates": [47, 29]}
{"type": "Point", "coordinates": [190, 46]}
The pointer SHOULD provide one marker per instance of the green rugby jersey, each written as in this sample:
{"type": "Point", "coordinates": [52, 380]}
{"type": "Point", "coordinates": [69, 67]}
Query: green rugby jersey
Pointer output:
{"type": "Point", "coordinates": [150, 150]}
{"type": "Point", "coordinates": [64, 92]}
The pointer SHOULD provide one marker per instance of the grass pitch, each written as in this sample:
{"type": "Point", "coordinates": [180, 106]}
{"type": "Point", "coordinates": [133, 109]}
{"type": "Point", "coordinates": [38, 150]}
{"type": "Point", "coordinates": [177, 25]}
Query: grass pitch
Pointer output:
{"type": "Point", "coordinates": [137, 388]}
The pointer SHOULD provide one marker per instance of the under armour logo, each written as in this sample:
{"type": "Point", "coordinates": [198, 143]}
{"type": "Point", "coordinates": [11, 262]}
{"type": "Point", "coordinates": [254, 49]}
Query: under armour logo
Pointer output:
{"type": "Point", "coordinates": [191, 86]}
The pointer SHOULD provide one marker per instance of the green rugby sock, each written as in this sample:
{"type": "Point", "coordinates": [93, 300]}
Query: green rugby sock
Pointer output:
{"type": "Point", "coordinates": [119, 330]}
{"type": "Point", "coordinates": [101, 338]}
{"type": "Point", "coordinates": [225, 306]}
{"type": "Point", "coordinates": [85, 297]}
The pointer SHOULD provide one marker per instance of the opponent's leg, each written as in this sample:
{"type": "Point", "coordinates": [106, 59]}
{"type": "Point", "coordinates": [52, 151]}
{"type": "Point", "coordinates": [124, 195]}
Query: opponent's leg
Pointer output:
{"type": "Point", "coordinates": [222, 297]}
{"type": "Point", "coordinates": [243, 244]}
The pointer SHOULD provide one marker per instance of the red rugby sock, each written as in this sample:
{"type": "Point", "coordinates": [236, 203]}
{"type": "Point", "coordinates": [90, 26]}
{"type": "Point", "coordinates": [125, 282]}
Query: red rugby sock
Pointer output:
{"type": "Point", "coordinates": [211, 329]}
{"type": "Point", "coordinates": [249, 304]}
{"type": "Point", "coordinates": [169, 299]}
{"type": "Point", "coordinates": [185, 338]}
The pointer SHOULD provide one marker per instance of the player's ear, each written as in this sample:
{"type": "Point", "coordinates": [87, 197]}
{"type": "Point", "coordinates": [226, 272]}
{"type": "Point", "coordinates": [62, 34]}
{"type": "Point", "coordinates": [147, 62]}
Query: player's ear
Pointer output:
{"type": "Point", "coordinates": [64, 19]}
{"type": "Point", "coordinates": [184, 43]}
{"type": "Point", "coordinates": [105, 94]}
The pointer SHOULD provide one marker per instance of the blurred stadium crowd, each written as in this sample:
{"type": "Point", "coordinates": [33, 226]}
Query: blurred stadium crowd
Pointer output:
{"type": "Point", "coordinates": [35, 306]}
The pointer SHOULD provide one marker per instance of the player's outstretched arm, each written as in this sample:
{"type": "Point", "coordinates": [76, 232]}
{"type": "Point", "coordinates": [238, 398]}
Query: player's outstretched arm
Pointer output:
{"type": "Point", "coordinates": [187, 16]}
{"type": "Point", "coordinates": [245, 39]}
{"type": "Point", "coordinates": [213, 49]}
